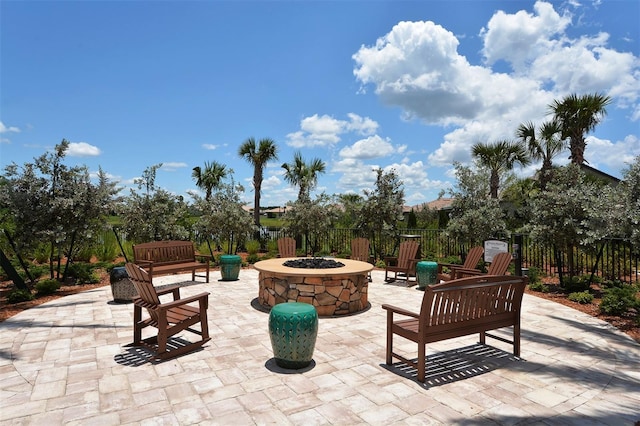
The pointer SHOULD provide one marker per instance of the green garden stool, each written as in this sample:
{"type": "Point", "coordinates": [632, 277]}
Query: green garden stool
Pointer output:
{"type": "Point", "coordinates": [293, 328]}
{"type": "Point", "coordinates": [427, 273]}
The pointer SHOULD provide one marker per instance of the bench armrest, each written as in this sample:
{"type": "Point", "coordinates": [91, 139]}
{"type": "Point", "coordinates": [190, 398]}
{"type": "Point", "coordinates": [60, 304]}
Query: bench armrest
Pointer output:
{"type": "Point", "coordinates": [395, 309]}
{"type": "Point", "coordinates": [206, 256]}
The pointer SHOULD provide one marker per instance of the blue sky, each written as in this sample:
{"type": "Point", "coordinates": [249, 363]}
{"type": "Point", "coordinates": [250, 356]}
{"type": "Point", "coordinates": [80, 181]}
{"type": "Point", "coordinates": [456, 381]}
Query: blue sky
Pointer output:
{"type": "Point", "coordinates": [403, 85]}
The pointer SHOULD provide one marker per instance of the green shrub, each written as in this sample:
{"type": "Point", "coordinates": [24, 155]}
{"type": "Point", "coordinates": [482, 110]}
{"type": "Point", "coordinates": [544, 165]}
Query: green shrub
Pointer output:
{"type": "Point", "coordinates": [534, 275]}
{"type": "Point", "coordinates": [18, 295]}
{"type": "Point", "coordinates": [538, 286]}
{"type": "Point", "coordinates": [253, 258]}
{"type": "Point", "coordinates": [618, 300]}
{"type": "Point", "coordinates": [109, 249]}
{"type": "Point", "coordinates": [41, 253]}
{"type": "Point", "coordinates": [272, 246]}
{"type": "Point", "coordinates": [84, 254]}
{"type": "Point", "coordinates": [252, 246]}
{"type": "Point", "coordinates": [46, 287]}
{"type": "Point", "coordinates": [576, 284]}
{"type": "Point", "coordinates": [582, 297]}
{"type": "Point", "coordinates": [83, 273]}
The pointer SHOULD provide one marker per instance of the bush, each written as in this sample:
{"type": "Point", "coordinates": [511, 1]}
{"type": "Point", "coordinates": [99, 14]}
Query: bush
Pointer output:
{"type": "Point", "coordinates": [582, 297]}
{"type": "Point", "coordinates": [253, 258]}
{"type": "Point", "coordinates": [534, 275]}
{"type": "Point", "coordinates": [576, 284]}
{"type": "Point", "coordinates": [17, 296]}
{"type": "Point", "coordinates": [538, 286]}
{"type": "Point", "coordinates": [46, 287]}
{"type": "Point", "coordinates": [618, 300]}
{"type": "Point", "coordinates": [253, 247]}
{"type": "Point", "coordinates": [83, 273]}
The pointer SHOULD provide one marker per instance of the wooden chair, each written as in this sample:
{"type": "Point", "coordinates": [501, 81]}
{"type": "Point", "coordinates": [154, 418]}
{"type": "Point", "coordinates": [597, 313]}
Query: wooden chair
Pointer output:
{"type": "Point", "coordinates": [286, 247]}
{"type": "Point", "coordinates": [470, 262]}
{"type": "Point", "coordinates": [360, 251]}
{"type": "Point", "coordinates": [168, 318]}
{"type": "Point", "coordinates": [404, 264]}
{"type": "Point", "coordinates": [498, 266]}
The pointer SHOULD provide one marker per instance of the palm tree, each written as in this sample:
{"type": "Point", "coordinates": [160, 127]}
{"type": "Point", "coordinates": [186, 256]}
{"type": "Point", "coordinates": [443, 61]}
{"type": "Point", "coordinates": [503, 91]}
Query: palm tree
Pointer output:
{"type": "Point", "coordinates": [578, 115]}
{"type": "Point", "coordinates": [499, 157]}
{"type": "Point", "coordinates": [544, 146]}
{"type": "Point", "coordinates": [210, 177]}
{"type": "Point", "coordinates": [258, 158]}
{"type": "Point", "coordinates": [303, 175]}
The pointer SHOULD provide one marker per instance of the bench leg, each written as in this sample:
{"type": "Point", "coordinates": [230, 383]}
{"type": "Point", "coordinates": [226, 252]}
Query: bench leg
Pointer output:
{"type": "Point", "coordinates": [422, 361]}
{"type": "Point", "coordinates": [483, 338]}
{"type": "Point", "coordinates": [389, 338]}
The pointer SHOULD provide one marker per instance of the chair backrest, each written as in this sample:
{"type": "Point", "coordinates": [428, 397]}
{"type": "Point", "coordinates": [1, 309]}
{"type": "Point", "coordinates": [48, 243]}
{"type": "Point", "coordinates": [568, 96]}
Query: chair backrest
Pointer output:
{"type": "Point", "coordinates": [360, 249]}
{"type": "Point", "coordinates": [287, 247]}
{"type": "Point", "coordinates": [143, 285]}
{"type": "Point", "coordinates": [408, 250]}
{"type": "Point", "coordinates": [473, 257]}
{"type": "Point", "coordinates": [500, 264]}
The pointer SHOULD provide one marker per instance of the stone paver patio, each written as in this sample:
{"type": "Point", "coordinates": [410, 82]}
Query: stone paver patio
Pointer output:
{"type": "Point", "coordinates": [66, 362]}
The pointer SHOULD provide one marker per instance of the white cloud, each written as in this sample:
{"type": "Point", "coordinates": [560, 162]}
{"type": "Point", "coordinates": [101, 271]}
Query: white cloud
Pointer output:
{"type": "Point", "coordinates": [172, 166]}
{"type": "Point", "coordinates": [322, 131]}
{"type": "Point", "coordinates": [371, 147]}
{"type": "Point", "coordinates": [5, 129]}
{"type": "Point", "coordinates": [82, 149]}
{"type": "Point", "coordinates": [209, 146]}
{"type": "Point", "coordinates": [417, 67]}
{"type": "Point", "coordinates": [615, 155]}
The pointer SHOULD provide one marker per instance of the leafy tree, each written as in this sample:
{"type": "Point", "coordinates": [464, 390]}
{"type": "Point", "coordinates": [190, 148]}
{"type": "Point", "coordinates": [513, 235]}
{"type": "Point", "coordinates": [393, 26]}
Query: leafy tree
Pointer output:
{"type": "Point", "coordinates": [49, 201]}
{"type": "Point", "coordinates": [516, 202]}
{"type": "Point", "coordinates": [258, 157]}
{"type": "Point", "coordinates": [223, 216]}
{"type": "Point", "coordinates": [351, 204]}
{"type": "Point", "coordinates": [210, 177]}
{"type": "Point", "coordinates": [474, 216]}
{"type": "Point", "coordinates": [577, 116]}
{"type": "Point", "coordinates": [311, 218]}
{"type": "Point", "coordinates": [562, 215]}
{"type": "Point", "coordinates": [303, 175]}
{"type": "Point", "coordinates": [427, 218]}
{"type": "Point", "coordinates": [628, 203]}
{"type": "Point", "coordinates": [544, 145]}
{"type": "Point", "coordinates": [382, 210]}
{"type": "Point", "coordinates": [499, 157]}
{"type": "Point", "coordinates": [154, 215]}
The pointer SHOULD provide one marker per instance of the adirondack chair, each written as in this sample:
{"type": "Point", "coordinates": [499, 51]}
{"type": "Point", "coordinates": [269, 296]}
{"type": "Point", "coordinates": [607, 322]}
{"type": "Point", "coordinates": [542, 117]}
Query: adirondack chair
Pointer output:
{"type": "Point", "coordinates": [168, 318]}
{"type": "Point", "coordinates": [360, 250]}
{"type": "Point", "coordinates": [404, 265]}
{"type": "Point", "coordinates": [286, 247]}
{"type": "Point", "coordinates": [498, 266]}
{"type": "Point", "coordinates": [470, 262]}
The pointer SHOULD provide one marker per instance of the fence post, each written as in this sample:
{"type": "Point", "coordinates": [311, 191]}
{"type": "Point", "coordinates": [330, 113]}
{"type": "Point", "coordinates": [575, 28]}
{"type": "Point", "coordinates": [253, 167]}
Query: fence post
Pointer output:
{"type": "Point", "coordinates": [517, 253]}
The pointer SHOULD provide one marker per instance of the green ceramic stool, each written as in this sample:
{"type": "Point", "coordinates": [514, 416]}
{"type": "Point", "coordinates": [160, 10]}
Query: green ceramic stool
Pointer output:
{"type": "Point", "coordinates": [293, 328]}
{"type": "Point", "coordinates": [427, 273]}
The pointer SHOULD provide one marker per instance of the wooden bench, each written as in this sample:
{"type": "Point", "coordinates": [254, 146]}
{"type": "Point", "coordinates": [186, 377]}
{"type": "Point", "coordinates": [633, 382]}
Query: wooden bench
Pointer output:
{"type": "Point", "coordinates": [458, 308]}
{"type": "Point", "coordinates": [169, 257]}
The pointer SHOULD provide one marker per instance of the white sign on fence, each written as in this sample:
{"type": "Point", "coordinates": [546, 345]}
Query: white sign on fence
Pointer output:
{"type": "Point", "coordinates": [493, 247]}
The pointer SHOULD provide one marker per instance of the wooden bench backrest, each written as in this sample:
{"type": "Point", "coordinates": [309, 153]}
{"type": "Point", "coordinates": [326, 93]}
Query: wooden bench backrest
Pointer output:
{"type": "Point", "coordinates": [408, 250]}
{"type": "Point", "coordinates": [360, 249]}
{"type": "Point", "coordinates": [471, 298]}
{"type": "Point", "coordinates": [287, 247]}
{"type": "Point", "coordinates": [145, 289]}
{"type": "Point", "coordinates": [500, 264]}
{"type": "Point", "coordinates": [165, 251]}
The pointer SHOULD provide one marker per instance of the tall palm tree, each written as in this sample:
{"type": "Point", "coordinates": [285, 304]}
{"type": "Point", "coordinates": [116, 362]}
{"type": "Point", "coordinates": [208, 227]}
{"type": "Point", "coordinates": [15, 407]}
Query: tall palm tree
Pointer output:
{"type": "Point", "coordinates": [210, 177]}
{"type": "Point", "coordinates": [303, 175]}
{"type": "Point", "coordinates": [577, 116]}
{"type": "Point", "coordinates": [258, 157]}
{"type": "Point", "coordinates": [545, 145]}
{"type": "Point", "coordinates": [499, 157]}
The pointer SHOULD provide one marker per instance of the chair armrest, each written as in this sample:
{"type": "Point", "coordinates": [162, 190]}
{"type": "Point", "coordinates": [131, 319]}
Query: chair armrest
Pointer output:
{"type": "Point", "coordinates": [175, 289]}
{"type": "Point", "coordinates": [390, 259]}
{"type": "Point", "coordinates": [462, 272]}
{"type": "Point", "coordinates": [401, 311]}
{"type": "Point", "coordinates": [184, 301]}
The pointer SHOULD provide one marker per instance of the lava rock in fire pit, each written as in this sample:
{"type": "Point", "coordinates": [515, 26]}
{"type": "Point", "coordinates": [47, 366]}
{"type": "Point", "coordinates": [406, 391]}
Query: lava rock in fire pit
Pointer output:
{"type": "Point", "coordinates": [313, 263]}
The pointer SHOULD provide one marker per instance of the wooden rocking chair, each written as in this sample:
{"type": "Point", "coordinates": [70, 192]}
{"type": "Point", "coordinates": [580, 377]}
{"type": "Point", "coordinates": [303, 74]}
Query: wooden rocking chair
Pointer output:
{"type": "Point", "coordinates": [404, 264]}
{"type": "Point", "coordinates": [498, 266]}
{"type": "Point", "coordinates": [360, 251]}
{"type": "Point", "coordinates": [169, 318]}
{"type": "Point", "coordinates": [470, 262]}
{"type": "Point", "coordinates": [286, 247]}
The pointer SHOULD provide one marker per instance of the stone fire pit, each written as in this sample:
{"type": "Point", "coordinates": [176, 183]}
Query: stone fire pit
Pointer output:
{"type": "Point", "coordinates": [334, 287]}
